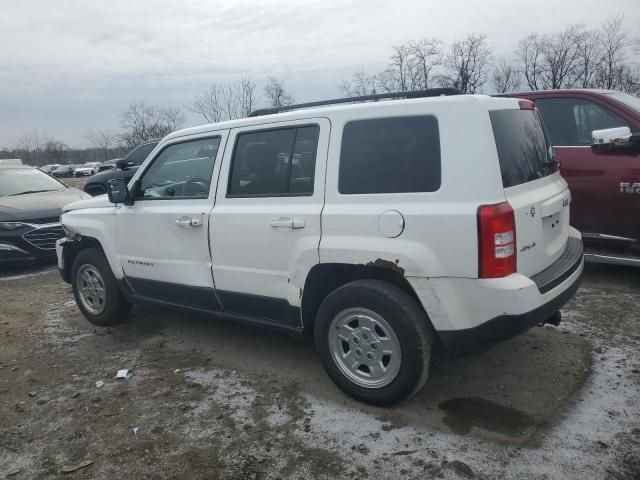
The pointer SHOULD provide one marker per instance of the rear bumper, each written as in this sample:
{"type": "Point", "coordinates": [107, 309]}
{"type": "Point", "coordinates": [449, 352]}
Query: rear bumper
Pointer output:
{"type": "Point", "coordinates": [470, 314]}
{"type": "Point", "coordinates": [503, 327]}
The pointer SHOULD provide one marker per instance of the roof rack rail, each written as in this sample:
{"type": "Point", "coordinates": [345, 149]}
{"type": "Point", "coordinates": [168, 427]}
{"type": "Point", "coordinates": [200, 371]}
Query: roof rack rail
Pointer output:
{"type": "Point", "coordinates": [431, 92]}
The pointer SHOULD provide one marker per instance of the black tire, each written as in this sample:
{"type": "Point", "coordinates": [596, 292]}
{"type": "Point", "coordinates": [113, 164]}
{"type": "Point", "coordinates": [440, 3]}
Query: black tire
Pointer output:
{"type": "Point", "coordinates": [115, 308]}
{"type": "Point", "coordinates": [410, 326]}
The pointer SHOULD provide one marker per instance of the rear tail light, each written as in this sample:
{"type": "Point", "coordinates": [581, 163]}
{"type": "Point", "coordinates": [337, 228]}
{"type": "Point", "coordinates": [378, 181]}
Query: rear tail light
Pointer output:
{"type": "Point", "coordinates": [496, 241]}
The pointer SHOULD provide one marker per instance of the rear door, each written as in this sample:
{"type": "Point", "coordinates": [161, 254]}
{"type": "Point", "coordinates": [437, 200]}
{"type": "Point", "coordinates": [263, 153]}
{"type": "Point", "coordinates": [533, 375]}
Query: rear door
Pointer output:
{"type": "Point", "coordinates": [533, 187]}
{"type": "Point", "coordinates": [598, 180]}
{"type": "Point", "coordinates": [265, 227]}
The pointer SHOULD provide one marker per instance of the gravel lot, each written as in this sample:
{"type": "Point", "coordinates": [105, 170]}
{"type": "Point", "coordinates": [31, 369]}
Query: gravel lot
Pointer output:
{"type": "Point", "coordinates": [213, 399]}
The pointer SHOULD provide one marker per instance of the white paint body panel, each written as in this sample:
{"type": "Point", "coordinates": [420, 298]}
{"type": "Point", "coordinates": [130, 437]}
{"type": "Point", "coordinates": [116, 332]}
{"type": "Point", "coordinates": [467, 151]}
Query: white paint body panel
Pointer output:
{"type": "Point", "coordinates": [251, 256]}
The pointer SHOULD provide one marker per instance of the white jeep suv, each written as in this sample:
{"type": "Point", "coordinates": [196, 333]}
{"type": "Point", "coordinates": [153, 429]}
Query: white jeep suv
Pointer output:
{"type": "Point", "coordinates": [385, 229]}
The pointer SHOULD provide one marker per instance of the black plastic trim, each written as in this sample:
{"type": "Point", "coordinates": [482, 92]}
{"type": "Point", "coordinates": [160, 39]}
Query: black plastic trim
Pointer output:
{"type": "Point", "coordinates": [562, 268]}
{"type": "Point", "coordinates": [175, 294]}
{"type": "Point", "coordinates": [503, 327]}
{"type": "Point", "coordinates": [277, 310]}
{"type": "Point", "coordinates": [430, 92]}
{"type": "Point", "coordinates": [247, 308]}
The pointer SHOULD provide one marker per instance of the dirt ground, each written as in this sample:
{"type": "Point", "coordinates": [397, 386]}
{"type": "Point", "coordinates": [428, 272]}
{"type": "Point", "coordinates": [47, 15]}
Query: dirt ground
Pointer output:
{"type": "Point", "coordinates": [214, 399]}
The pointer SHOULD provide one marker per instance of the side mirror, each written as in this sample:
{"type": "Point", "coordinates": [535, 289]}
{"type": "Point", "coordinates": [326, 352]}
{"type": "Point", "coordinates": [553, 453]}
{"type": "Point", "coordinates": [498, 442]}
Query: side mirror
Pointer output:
{"type": "Point", "coordinates": [124, 164]}
{"type": "Point", "coordinates": [117, 191]}
{"type": "Point", "coordinates": [619, 138]}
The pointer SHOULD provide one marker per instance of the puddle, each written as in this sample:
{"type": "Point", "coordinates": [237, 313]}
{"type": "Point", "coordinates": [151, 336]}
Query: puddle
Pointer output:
{"type": "Point", "coordinates": [462, 414]}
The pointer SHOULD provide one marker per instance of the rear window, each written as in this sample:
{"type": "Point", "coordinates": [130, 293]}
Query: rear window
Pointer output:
{"type": "Point", "coordinates": [523, 148]}
{"type": "Point", "coordinates": [390, 155]}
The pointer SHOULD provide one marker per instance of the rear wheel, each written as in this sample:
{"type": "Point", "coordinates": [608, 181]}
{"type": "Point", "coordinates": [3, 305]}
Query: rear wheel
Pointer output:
{"type": "Point", "coordinates": [96, 290]}
{"type": "Point", "coordinates": [374, 341]}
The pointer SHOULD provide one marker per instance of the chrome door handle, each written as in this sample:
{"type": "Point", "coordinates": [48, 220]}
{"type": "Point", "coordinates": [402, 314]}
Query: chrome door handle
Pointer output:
{"type": "Point", "coordinates": [186, 222]}
{"type": "Point", "coordinates": [286, 222]}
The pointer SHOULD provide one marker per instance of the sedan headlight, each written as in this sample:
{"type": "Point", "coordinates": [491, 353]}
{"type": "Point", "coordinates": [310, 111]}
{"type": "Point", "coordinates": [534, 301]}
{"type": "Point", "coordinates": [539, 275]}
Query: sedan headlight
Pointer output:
{"type": "Point", "coordinates": [11, 226]}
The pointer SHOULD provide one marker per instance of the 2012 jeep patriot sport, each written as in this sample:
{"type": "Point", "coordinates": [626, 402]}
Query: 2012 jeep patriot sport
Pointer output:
{"type": "Point", "coordinates": [384, 228]}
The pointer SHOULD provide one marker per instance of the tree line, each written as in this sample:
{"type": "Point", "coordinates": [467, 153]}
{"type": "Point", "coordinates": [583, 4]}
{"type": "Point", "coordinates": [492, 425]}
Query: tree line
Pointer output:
{"type": "Point", "coordinates": [141, 122]}
{"type": "Point", "coordinates": [576, 57]}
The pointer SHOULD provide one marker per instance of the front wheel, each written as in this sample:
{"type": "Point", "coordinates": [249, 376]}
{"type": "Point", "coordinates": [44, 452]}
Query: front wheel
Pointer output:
{"type": "Point", "coordinates": [374, 341]}
{"type": "Point", "coordinates": [96, 290]}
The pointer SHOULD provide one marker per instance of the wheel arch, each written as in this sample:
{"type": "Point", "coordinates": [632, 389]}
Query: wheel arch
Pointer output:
{"type": "Point", "coordinates": [70, 250]}
{"type": "Point", "coordinates": [324, 278]}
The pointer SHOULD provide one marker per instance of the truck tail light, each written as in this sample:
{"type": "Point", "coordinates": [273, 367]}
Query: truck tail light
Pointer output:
{"type": "Point", "coordinates": [496, 241]}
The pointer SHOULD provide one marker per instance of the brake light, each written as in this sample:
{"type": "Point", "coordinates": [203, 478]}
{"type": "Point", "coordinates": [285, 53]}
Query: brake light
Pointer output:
{"type": "Point", "coordinates": [526, 104]}
{"type": "Point", "coordinates": [496, 241]}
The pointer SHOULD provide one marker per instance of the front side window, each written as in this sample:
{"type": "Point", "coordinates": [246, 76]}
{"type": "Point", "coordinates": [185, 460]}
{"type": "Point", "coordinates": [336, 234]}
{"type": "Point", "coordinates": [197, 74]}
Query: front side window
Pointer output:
{"type": "Point", "coordinates": [276, 162]}
{"type": "Point", "coordinates": [390, 155]}
{"type": "Point", "coordinates": [570, 121]}
{"type": "Point", "coordinates": [182, 170]}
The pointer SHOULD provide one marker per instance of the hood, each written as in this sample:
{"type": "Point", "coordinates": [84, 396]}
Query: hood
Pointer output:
{"type": "Point", "coordinates": [101, 201]}
{"type": "Point", "coordinates": [33, 206]}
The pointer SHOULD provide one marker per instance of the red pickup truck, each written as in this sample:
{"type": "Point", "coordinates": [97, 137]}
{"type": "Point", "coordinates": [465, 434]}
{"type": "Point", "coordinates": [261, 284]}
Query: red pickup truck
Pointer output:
{"type": "Point", "coordinates": [596, 138]}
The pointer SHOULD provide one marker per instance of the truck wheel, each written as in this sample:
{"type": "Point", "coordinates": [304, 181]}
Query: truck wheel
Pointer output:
{"type": "Point", "coordinates": [374, 341]}
{"type": "Point", "coordinates": [96, 290]}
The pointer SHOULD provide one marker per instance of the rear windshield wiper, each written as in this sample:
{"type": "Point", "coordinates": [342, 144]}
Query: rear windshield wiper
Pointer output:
{"type": "Point", "coordinates": [31, 191]}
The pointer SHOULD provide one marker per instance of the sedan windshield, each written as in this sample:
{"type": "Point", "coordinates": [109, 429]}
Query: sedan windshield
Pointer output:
{"type": "Point", "coordinates": [626, 99]}
{"type": "Point", "coordinates": [20, 181]}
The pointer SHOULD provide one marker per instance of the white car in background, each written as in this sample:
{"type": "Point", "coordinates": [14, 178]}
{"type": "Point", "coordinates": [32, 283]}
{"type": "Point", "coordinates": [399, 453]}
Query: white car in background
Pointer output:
{"type": "Point", "coordinates": [88, 169]}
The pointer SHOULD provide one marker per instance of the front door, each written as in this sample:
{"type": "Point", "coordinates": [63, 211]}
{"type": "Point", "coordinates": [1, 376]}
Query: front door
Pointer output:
{"type": "Point", "coordinates": [600, 182]}
{"type": "Point", "coordinates": [162, 238]}
{"type": "Point", "coordinates": [265, 227]}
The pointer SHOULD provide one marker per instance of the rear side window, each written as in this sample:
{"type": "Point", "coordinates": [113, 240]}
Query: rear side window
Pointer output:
{"type": "Point", "coordinates": [523, 149]}
{"type": "Point", "coordinates": [390, 155]}
{"type": "Point", "coordinates": [277, 162]}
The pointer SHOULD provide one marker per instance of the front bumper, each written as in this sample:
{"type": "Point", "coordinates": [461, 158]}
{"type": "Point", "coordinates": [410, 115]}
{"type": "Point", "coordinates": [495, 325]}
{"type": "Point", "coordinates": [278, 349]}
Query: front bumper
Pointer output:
{"type": "Point", "coordinates": [34, 245]}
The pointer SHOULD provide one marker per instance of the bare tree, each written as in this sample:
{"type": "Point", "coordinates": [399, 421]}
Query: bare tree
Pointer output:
{"type": "Point", "coordinates": [562, 58]}
{"type": "Point", "coordinates": [531, 57]}
{"type": "Point", "coordinates": [615, 42]}
{"type": "Point", "coordinates": [30, 145]}
{"type": "Point", "coordinates": [208, 104]}
{"type": "Point", "coordinates": [506, 77]}
{"type": "Point", "coordinates": [246, 93]}
{"type": "Point", "coordinates": [590, 56]}
{"type": "Point", "coordinates": [226, 101]}
{"type": "Point", "coordinates": [361, 84]}
{"type": "Point", "coordinates": [102, 140]}
{"type": "Point", "coordinates": [142, 122]}
{"type": "Point", "coordinates": [276, 94]}
{"type": "Point", "coordinates": [467, 64]}
{"type": "Point", "coordinates": [426, 56]}
{"type": "Point", "coordinates": [55, 150]}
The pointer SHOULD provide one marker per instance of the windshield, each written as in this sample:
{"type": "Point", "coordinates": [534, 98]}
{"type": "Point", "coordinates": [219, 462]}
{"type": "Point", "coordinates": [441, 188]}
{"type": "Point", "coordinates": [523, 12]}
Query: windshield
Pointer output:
{"type": "Point", "coordinates": [523, 147]}
{"type": "Point", "coordinates": [626, 99]}
{"type": "Point", "coordinates": [16, 181]}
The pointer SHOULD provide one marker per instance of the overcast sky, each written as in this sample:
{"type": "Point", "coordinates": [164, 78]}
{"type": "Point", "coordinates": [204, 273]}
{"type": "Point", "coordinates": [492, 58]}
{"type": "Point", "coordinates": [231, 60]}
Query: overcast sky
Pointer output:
{"type": "Point", "coordinates": [67, 66]}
